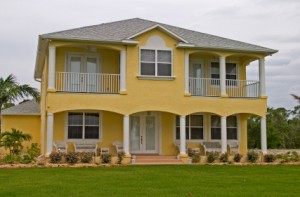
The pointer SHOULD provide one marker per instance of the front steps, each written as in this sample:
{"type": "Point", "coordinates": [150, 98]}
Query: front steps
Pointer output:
{"type": "Point", "coordinates": [156, 160]}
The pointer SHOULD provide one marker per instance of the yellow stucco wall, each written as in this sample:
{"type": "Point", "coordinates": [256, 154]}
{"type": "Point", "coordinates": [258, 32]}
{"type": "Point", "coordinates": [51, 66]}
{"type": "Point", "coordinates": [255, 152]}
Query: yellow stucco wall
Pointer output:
{"type": "Point", "coordinates": [29, 124]}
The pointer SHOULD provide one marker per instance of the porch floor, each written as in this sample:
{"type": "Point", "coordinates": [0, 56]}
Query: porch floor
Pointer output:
{"type": "Point", "coordinates": [156, 160]}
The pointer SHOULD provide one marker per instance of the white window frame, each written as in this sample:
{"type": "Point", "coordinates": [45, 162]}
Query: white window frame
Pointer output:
{"type": "Point", "coordinates": [230, 62]}
{"type": "Point", "coordinates": [228, 140]}
{"type": "Point", "coordinates": [84, 112]}
{"type": "Point", "coordinates": [156, 49]}
{"type": "Point", "coordinates": [191, 140]}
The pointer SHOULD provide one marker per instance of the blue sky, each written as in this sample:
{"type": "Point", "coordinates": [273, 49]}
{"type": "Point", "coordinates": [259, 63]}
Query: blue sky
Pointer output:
{"type": "Point", "coordinates": [273, 24]}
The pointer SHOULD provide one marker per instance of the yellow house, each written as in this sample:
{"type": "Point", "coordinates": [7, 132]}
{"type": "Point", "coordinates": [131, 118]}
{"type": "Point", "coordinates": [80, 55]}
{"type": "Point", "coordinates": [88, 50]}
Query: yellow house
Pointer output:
{"type": "Point", "coordinates": [148, 85]}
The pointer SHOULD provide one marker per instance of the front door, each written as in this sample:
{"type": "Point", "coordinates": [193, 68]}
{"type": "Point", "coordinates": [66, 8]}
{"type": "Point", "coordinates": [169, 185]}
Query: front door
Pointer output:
{"type": "Point", "coordinates": [144, 133]}
{"type": "Point", "coordinates": [197, 87]}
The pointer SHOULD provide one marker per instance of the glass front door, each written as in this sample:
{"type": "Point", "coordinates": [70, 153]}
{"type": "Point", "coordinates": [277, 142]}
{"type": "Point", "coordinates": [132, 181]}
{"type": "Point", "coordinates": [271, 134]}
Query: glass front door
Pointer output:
{"type": "Point", "coordinates": [144, 133]}
{"type": "Point", "coordinates": [196, 73]}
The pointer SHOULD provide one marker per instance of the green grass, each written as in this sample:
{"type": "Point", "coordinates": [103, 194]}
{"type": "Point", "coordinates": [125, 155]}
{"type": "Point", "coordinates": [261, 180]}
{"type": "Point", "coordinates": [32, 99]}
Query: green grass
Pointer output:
{"type": "Point", "coordinates": [152, 181]}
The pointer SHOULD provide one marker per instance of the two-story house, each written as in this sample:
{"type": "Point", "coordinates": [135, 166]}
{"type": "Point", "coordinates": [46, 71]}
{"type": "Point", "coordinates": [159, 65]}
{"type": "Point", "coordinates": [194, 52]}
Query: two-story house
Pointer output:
{"type": "Point", "coordinates": [148, 85]}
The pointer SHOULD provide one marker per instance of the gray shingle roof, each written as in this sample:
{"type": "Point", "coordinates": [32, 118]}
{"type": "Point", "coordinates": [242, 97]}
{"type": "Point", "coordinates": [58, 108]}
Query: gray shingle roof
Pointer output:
{"type": "Point", "coordinates": [121, 30]}
{"type": "Point", "coordinates": [26, 108]}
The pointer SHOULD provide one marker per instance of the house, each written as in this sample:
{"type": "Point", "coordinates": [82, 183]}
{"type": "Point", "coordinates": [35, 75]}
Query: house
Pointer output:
{"type": "Point", "coordinates": [146, 84]}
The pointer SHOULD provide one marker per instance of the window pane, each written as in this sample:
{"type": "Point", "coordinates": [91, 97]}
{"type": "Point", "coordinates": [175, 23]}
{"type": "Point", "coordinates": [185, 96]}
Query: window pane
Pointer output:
{"type": "Point", "coordinates": [231, 68]}
{"type": "Point", "coordinates": [232, 133]}
{"type": "Point", "coordinates": [231, 121]}
{"type": "Point", "coordinates": [196, 133]}
{"type": "Point", "coordinates": [75, 132]}
{"type": "Point", "coordinates": [231, 77]}
{"type": "Point", "coordinates": [196, 120]}
{"type": "Point", "coordinates": [187, 121]}
{"type": "Point", "coordinates": [91, 65]}
{"type": "Point", "coordinates": [215, 121]}
{"type": "Point", "coordinates": [91, 119]}
{"type": "Point", "coordinates": [164, 69]}
{"type": "Point", "coordinates": [215, 76]}
{"type": "Point", "coordinates": [215, 133]}
{"type": "Point", "coordinates": [75, 119]}
{"type": "Point", "coordinates": [147, 55]}
{"type": "Point", "coordinates": [177, 133]}
{"type": "Point", "coordinates": [91, 132]}
{"type": "Point", "coordinates": [147, 68]}
{"type": "Point", "coordinates": [187, 133]}
{"type": "Point", "coordinates": [75, 64]}
{"type": "Point", "coordinates": [177, 121]}
{"type": "Point", "coordinates": [164, 56]}
{"type": "Point", "coordinates": [215, 69]}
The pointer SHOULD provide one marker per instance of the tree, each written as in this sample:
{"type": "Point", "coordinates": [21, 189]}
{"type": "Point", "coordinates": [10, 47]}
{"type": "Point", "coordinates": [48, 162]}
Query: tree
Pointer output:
{"type": "Point", "coordinates": [296, 97]}
{"type": "Point", "coordinates": [11, 91]}
{"type": "Point", "coordinates": [13, 140]}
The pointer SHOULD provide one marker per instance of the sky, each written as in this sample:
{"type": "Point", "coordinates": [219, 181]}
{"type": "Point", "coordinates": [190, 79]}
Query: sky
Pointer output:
{"type": "Point", "coordinates": [271, 23]}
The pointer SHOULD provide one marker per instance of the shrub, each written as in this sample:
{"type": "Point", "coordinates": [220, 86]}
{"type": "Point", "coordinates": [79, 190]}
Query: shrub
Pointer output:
{"type": "Point", "coordinates": [120, 157]}
{"type": "Point", "coordinates": [55, 157]}
{"type": "Point", "coordinates": [288, 157]}
{"type": "Point", "coordinates": [212, 156]}
{"type": "Point", "coordinates": [86, 157]}
{"type": "Point", "coordinates": [269, 158]}
{"type": "Point", "coordinates": [26, 159]}
{"type": "Point", "coordinates": [194, 155]}
{"type": "Point", "coordinates": [224, 157]}
{"type": "Point", "coordinates": [72, 157]}
{"type": "Point", "coordinates": [252, 156]}
{"type": "Point", "coordinates": [237, 157]}
{"type": "Point", "coordinates": [106, 158]}
{"type": "Point", "coordinates": [34, 151]}
{"type": "Point", "coordinates": [12, 159]}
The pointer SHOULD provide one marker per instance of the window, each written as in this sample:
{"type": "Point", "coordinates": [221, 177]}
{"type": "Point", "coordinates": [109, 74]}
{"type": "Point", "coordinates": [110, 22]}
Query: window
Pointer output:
{"type": "Point", "coordinates": [193, 127]}
{"type": "Point", "coordinates": [156, 62]}
{"type": "Point", "coordinates": [231, 128]}
{"type": "Point", "coordinates": [231, 73]}
{"type": "Point", "coordinates": [83, 125]}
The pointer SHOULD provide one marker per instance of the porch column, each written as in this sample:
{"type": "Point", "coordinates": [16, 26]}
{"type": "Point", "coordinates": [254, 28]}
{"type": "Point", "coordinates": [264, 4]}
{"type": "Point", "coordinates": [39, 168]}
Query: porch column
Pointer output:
{"type": "Point", "coordinates": [186, 74]}
{"type": "Point", "coordinates": [182, 136]}
{"type": "Point", "coordinates": [263, 133]}
{"type": "Point", "coordinates": [126, 134]}
{"type": "Point", "coordinates": [50, 120]}
{"type": "Point", "coordinates": [224, 134]}
{"type": "Point", "coordinates": [223, 76]}
{"type": "Point", "coordinates": [51, 68]}
{"type": "Point", "coordinates": [262, 80]}
{"type": "Point", "coordinates": [123, 71]}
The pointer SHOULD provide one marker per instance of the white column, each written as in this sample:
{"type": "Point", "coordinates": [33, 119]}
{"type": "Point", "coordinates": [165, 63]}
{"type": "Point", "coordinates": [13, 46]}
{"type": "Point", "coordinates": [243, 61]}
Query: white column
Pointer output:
{"type": "Point", "coordinates": [126, 134]}
{"type": "Point", "coordinates": [123, 71]}
{"type": "Point", "coordinates": [262, 80]}
{"type": "Point", "coordinates": [51, 68]}
{"type": "Point", "coordinates": [223, 75]}
{"type": "Point", "coordinates": [182, 136]}
{"type": "Point", "coordinates": [263, 133]}
{"type": "Point", "coordinates": [50, 120]}
{"type": "Point", "coordinates": [224, 134]}
{"type": "Point", "coordinates": [186, 73]}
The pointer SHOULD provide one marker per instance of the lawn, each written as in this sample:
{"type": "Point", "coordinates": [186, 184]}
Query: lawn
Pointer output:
{"type": "Point", "coordinates": [152, 181]}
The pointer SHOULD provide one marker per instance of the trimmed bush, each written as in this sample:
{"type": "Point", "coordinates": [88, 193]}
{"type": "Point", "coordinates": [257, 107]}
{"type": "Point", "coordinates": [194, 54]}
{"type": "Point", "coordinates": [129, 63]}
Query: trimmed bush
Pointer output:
{"type": "Point", "coordinates": [212, 156]}
{"type": "Point", "coordinates": [269, 158]}
{"type": "Point", "coordinates": [224, 157]}
{"type": "Point", "coordinates": [252, 156]}
{"type": "Point", "coordinates": [12, 159]}
{"type": "Point", "coordinates": [106, 158]}
{"type": "Point", "coordinates": [120, 157]}
{"type": "Point", "coordinates": [26, 159]}
{"type": "Point", "coordinates": [55, 157]}
{"type": "Point", "coordinates": [237, 157]}
{"type": "Point", "coordinates": [34, 151]}
{"type": "Point", "coordinates": [86, 157]}
{"type": "Point", "coordinates": [72, 158]}
{"type": "Point", "coordinates": [288, 157]}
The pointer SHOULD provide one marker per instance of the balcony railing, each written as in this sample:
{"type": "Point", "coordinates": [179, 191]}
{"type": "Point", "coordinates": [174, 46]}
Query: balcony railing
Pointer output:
{"type": "Point", "coordinates": [234, 88]}
{"type": "Point", "coordinates": [88, 82]}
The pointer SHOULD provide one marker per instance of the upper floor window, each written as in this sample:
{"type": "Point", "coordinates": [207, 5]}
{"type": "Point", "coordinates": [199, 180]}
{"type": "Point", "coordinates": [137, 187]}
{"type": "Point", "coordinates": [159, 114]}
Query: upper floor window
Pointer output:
{"type": "Point", "coordinates": [231, 71]}
{"type": "Point", "coordinates": [231, 128]}
{"type": "Point", "coordinates": [156, 62]}
{"type": "Point", "coordinates": [193, 127]}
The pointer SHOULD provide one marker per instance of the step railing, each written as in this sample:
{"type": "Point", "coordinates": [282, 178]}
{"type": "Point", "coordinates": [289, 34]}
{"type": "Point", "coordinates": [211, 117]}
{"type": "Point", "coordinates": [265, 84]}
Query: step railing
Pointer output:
{"type": "Point", "coordinates": [87, 82]}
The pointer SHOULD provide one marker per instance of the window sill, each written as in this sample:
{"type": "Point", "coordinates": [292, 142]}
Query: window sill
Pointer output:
{"type": "Point", "coordinates": [156, 78]}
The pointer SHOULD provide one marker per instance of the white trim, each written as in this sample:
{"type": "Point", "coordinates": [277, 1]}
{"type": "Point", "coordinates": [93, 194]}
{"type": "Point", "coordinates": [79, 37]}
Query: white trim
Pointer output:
{"type": "Point", "coordinates": [123, 70]}
{"type": "Point", "coordinates": [157, 26]}
{"type": "Point", "coordinates": [126, 135]}
{"type": "Point", "coordinates": [51, 67]}
{"type": "Point", "coordinates": [182, 135]}
{"type": "Point", "coordinates": [133, 42]}
{"type": "Point", "coordinates": [224, 134]}
{"type": "Point", "coordinates": [84, 112]}
{"type": "Point", "coordinates": [262, 80]}
{"type": "Point", "coordinates": [263, 133]}
{"type": "Point", "coordinates": [159, 133]}
{"type": "Point", "coordinates": [50, 128]}
{"type": "Point", "coordinates": [156, 78]}
{"type": "Point", "coordinates": [184, 45]}
{"type": "Point", "coordinates": [186, 72]}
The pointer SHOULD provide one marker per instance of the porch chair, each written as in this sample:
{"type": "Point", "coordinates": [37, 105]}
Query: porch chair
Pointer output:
{"type": "Point", "coordinates": [119, 146]}
{"type": "Point", "coordinates": [60, 146]}
{"type": "Point", "coordinates": [104, 151]}
{"type": "Point", "coordinates": [233, 147]}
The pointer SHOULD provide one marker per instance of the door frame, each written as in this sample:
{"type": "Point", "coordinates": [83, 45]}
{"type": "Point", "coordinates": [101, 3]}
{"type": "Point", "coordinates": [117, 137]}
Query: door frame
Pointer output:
{"type": "Point", "coordinates": [142, 116]}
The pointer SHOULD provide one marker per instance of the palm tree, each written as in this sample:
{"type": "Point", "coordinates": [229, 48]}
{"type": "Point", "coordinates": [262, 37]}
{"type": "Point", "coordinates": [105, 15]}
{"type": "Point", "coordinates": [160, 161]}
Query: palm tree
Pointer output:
{"type": "Point", "coordinates": [11, 91]}
{"type": "Point", "coordinates": [296, 97]}
{"type": "Point", "coordinates": [13, 140]}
